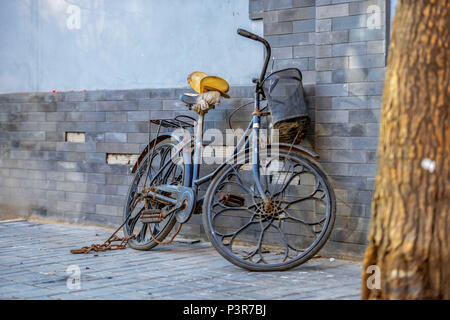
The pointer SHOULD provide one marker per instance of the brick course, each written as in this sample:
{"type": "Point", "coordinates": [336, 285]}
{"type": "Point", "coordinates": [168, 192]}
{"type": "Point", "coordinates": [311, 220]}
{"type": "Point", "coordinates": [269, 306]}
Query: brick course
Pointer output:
{"type": "Point", "coordinates": [343, 64]}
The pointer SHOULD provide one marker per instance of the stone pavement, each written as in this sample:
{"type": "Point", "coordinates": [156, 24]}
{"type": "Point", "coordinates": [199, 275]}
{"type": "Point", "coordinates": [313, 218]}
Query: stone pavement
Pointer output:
{"type": "Point", "coordinates": [35, 260]}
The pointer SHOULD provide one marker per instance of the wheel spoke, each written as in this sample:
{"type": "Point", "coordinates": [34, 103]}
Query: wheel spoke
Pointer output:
{"type": "Point", "coordinates": [132, 223]}
{"type": "Point", "coordinates": [141, 235]}
{"type": "Point", "coordinates": [161, 166]}
{"type": "Point", "coordinates": [240, 182]}
{"type": "Point", "coordinates": [293, 220]}
{"type": "Point", "coordinates": [286, 244]}
{"type": "Point", "coordinates": [261, 237]}
{"type": "Point", "coordinates": [234, 234]}
{"type": "Point", "coordinates": [289, 216]}
{"type": "Point", "coordinates": [310, 196]}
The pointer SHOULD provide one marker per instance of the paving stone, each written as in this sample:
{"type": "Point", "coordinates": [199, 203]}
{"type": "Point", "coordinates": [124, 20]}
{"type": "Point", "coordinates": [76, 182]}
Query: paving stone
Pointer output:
{"type": "Point", "coordinates": [178, 271]}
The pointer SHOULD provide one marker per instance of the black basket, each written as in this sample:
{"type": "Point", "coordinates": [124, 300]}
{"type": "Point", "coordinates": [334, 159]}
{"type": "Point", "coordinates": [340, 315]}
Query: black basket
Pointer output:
{"type": "Point", "coordinates": [284, 92]}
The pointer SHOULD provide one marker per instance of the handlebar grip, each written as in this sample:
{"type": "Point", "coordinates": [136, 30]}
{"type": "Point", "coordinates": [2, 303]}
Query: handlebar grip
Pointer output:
{"type": "Point", "coordinates": [248, 34]}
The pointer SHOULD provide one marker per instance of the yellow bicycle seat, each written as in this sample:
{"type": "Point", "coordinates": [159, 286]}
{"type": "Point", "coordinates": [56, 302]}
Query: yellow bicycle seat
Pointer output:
{"type": "Point", "coordinates": [202, 82]}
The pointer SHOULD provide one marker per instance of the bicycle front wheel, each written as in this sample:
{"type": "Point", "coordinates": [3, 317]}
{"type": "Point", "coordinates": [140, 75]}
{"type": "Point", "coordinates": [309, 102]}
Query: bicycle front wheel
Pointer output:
{"type": "Point", "coordinates": [276, 234]}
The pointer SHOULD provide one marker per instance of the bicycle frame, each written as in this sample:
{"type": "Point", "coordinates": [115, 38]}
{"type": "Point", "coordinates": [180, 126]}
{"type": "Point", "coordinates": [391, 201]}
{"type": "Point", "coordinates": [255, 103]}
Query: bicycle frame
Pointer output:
{"type": "Point", "coordinates": [254, 126]}
{"type": "Point", "coordinates": [243, 144]}
{"type": "Point", "coordinates": [192, 162]}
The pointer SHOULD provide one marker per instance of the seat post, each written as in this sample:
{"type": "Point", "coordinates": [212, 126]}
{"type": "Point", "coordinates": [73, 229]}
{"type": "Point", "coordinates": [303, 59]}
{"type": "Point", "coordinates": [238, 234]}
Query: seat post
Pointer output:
{"type": "Point", "coordinates": [198, 145]}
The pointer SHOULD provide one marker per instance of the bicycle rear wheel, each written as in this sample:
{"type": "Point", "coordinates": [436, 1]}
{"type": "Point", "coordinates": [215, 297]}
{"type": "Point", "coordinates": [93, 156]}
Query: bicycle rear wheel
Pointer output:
{"type": "Point", "coordinates": [276, 235]}
{"type": "Point", "coordinates": [164, 155]}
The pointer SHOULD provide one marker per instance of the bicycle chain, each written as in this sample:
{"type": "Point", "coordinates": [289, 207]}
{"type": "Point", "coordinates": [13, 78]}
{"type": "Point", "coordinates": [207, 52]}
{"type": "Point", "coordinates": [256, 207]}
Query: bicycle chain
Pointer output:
{"type": "Point", "coordinates": [107, 245]}
{"type": "Point", "coordinates": [112, 238]}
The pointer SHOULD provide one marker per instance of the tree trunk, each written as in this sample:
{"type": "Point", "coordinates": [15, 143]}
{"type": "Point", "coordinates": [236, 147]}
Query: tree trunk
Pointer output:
{"type": "Point", "coordinates": [409, 240]}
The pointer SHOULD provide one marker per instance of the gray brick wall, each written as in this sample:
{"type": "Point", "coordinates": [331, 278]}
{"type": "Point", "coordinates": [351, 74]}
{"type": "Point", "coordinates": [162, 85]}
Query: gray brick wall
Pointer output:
{"type": "Point", "coordinates": [343, 61]}
{"type": "Point", "coordinates": [348, 116]}
{"type": "Point", "coordinates": [343, 65]}
{"type": "Point", "coordinates": [42, 175]}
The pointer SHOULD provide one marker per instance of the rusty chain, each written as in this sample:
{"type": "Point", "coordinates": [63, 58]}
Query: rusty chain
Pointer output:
{"type": "Point", "coordinates": [165, 242]}
{"type": "Point", "coordinates": [107, 245]}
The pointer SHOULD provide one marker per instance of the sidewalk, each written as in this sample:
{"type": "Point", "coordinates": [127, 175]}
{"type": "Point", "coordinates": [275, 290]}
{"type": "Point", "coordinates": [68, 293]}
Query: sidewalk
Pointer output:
{"type": "Point", "coordinates": [34, 261]}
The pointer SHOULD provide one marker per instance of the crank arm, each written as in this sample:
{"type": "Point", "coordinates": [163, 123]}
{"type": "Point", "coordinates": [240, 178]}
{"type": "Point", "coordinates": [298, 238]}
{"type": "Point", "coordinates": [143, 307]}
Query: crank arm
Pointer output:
{"type": "Point", "coordinates": [174, 209]}
{"type": "Point", "coordinates": [183, 202]}
{"type": "Point", "coordinates": [160, 198]}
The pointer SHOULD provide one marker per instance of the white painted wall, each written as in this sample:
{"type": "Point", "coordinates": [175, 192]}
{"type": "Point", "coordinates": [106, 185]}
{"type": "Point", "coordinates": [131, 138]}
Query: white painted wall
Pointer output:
{"type": "Point", "coordinates": [123, 44]}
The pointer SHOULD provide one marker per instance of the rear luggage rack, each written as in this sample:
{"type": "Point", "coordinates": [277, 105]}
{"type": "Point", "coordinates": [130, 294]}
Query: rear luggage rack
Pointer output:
{"type": "Point", "coordinates": [175, 122]}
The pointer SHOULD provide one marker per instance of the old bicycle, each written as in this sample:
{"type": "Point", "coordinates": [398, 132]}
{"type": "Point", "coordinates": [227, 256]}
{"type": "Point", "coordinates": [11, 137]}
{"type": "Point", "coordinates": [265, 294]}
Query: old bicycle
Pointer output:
{"type": "Point", "coordinates": [266, 208]}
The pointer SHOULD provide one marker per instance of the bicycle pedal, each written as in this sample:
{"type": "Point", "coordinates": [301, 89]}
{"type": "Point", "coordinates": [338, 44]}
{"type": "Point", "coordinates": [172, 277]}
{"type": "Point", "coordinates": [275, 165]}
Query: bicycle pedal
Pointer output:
{"type": "Point", "coordinates": [151, 219]}
{"type": "Point", "coordinates": [232, 200]}
{"type": "Point", "coordinates": [151, 216]}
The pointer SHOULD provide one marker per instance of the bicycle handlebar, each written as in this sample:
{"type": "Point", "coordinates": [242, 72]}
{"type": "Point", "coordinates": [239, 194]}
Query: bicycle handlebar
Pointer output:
{"type": "Point", "coordinates": [253, 36]}
{"type": "Point", "coordinates": [250, 35]}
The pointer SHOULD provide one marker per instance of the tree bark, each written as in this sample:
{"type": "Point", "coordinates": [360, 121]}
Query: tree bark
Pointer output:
{"type": "Point", "coordinates": [409, 240]}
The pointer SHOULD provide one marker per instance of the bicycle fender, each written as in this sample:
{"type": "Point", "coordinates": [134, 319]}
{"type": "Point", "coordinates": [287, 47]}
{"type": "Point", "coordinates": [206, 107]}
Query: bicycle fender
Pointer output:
{"type": "Point", "coordinates": [166, 135]}
{"type": "Point", "coordinates": [287, 146]}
